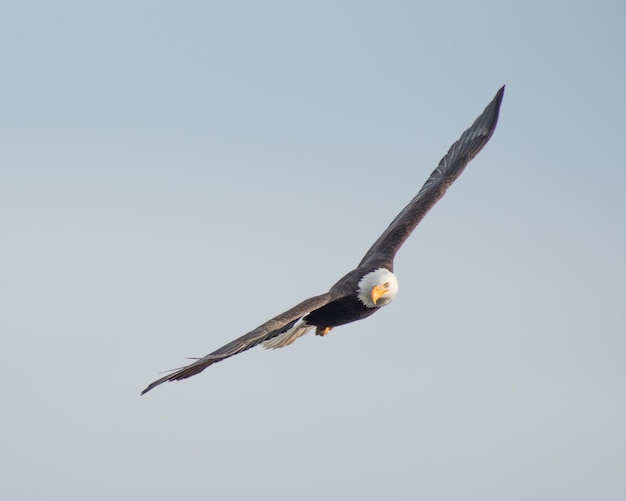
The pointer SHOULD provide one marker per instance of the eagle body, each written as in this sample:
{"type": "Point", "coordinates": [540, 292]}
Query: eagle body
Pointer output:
{"type": "Point", "coordinates": [359, 294]}
{"type": "Point", "coordinates": [339, 312]}
{"type": "Point", "coordinates": [372, 284]}
{"type": "Point", "coordinates": [359, 302]}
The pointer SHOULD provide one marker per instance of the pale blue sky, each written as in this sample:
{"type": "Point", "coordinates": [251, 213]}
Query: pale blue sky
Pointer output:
{"type": "Point", "coordinates": [174, 174]}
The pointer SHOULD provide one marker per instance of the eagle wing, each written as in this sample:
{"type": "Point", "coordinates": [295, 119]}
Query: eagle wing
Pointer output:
{"type": "Point", "coordinates": [450, 167]}
{"type": "Point", "coordinates": [270, 329]}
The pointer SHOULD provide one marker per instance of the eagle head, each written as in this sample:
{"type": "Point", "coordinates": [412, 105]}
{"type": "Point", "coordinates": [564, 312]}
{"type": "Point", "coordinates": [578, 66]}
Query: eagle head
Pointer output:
{"type": "Point", "coordinates": [377, 288]}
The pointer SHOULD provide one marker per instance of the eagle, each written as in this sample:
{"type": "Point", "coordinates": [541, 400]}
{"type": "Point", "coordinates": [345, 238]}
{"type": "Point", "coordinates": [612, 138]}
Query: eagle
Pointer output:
{"type": "Point", "coordinates": [372, 284]}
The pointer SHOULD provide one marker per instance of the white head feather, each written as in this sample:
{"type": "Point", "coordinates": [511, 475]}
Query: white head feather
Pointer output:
{"type": "Point", "coordinates": [383, 280]}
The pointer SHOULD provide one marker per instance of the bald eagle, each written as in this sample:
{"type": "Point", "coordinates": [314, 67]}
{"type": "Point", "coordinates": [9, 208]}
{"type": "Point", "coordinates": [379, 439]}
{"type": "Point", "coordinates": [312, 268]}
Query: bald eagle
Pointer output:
{"type": "Point", "coordinates": [372, 284]}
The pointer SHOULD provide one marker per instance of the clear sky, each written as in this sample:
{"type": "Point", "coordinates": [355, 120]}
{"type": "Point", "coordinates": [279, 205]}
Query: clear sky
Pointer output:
{"type": "Point", "coordinates": [173, 174]}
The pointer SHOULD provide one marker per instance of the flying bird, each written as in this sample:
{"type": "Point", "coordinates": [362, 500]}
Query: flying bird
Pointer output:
{"type": "Point", "coordinates": [372, 284]}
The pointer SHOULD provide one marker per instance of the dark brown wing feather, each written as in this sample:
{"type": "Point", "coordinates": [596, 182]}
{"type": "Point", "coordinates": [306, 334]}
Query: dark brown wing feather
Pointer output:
{"type": "Point", "coordinates": [268, 330]}
{"type": "Point", "coordinates": [450, 167]}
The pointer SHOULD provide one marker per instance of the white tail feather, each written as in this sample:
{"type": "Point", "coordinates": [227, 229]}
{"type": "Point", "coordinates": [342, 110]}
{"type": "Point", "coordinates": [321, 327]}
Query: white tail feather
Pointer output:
{"type": "Point", "coordinates": [286, 338]}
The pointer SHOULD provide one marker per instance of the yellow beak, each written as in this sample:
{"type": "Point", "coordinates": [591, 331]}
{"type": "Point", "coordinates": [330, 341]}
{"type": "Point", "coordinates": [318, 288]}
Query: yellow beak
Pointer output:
{"type": "Point", "coordinates": [378, 292]}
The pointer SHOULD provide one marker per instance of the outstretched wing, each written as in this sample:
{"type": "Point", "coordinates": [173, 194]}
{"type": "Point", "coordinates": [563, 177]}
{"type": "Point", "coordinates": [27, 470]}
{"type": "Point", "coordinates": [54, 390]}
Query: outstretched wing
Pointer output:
{"type": "Point", "coordinates": [268, 330]}
{"type": "Point", "coordinates": [450, 167]}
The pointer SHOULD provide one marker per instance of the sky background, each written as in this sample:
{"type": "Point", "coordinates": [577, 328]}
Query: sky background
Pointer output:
{"type": "Point", "coordinates": [173, 174]}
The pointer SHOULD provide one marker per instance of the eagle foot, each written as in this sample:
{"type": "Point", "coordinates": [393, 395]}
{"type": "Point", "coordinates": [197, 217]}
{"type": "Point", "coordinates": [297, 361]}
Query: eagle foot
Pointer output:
{"type": "Point", "coordinates": [322, 332]}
